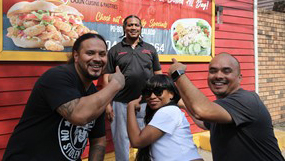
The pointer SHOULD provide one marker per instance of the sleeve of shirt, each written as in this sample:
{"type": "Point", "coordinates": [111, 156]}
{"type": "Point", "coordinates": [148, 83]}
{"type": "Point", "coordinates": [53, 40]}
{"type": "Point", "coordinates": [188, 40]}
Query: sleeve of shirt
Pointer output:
{"type": "Point", "coordinates": [167, 119]}
{"type": "Point", "coordinates": [58, 87]}
{"type": "Point", "coordinates": [111, 63]}
{"type": "Point", "coordinates": [241, 107]}
{"type": "Point", "coordinates": [207, 124]}
{"type": "Point", "coordinates": [99, 128]}
{"type": "Point", "coordinates": [156, 64]}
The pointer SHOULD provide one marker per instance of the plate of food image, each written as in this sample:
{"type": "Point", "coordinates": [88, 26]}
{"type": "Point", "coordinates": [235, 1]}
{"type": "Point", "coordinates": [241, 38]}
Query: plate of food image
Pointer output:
{"type": "Point", "coordinates": [191, 36]}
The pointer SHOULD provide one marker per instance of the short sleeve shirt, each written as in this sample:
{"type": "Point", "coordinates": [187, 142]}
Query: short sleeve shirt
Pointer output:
{"type": "Point", "coordinates": [42, 133]}
{"type": "Point", "coordinates": [177, 142]}
{"type": "Point", "coordinates": [250, 136]}
{"type": "Point", "coordinates": [137, 65]}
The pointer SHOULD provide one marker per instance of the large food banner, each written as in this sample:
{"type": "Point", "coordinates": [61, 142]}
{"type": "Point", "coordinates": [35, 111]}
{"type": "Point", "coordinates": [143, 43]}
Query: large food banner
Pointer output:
{"type": "Point", "coordinates": [45, 30]}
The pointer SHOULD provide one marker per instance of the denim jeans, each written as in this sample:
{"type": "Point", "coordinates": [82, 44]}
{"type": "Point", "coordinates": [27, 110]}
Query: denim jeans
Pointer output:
{"type": "Point", "coordinates": [119, 129]}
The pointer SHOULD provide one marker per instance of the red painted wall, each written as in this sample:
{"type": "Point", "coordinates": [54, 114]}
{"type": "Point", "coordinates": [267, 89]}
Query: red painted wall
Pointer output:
{"type": "Point", "coordinates": [235, 36]}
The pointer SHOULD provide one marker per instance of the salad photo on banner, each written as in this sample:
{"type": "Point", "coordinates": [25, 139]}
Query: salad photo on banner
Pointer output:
{"type": "Point", "coordinates": [45, 30]}
{"type": "Point", "coordinates": [191, 37]}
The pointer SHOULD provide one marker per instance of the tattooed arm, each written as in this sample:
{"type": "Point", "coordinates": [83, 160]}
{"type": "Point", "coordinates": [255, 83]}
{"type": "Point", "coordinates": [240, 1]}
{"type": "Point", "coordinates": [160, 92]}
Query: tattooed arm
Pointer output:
{"type": "Point", "coordinates": [97, 149]}
{"type": "Point", "coordinates": [66, 109]}
{"type": "Point", "coordinates": [82, 110]}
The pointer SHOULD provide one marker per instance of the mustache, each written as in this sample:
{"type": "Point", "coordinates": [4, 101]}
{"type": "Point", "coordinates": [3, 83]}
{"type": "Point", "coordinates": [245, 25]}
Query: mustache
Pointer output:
{"type": "Point", "coordinates": [96, 63]}
{"type": "Point", "coordinates": [219, 81]}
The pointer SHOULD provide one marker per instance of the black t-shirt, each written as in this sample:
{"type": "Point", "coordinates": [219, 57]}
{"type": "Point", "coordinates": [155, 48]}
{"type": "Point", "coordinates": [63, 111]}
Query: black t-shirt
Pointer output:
{"type": "Point", "coordinates": [250, 137]}
{"type": "Point", "coordinates": [43, 134]}
{"type": "Point", "coordinates": [137, 65]}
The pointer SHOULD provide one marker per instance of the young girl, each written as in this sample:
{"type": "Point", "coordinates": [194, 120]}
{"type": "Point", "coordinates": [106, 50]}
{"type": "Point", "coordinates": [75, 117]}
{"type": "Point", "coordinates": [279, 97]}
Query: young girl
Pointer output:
{"type": "Point", "coordinates": [166, 136]}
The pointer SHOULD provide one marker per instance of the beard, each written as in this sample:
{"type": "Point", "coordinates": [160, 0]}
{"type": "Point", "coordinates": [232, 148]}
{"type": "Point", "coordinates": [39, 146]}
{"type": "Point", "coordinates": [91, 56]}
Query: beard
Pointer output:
{"type": "Point", "coordinates": [87, 75]}
{"type": "Point", "coordinates": [220, 94]}
{"type": "Point", "coordinates": [91, 77]}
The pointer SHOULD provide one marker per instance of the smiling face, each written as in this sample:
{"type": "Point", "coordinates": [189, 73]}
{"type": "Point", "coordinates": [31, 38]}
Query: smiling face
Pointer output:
{"type": "Point", "coordinates": [132, 28]}
{"type": "Point", "coordinates": [224, 75]}
{"type": "Point", "coordinates": [91, 59]}
{"type": "Point", "coordinates": [155, 101]}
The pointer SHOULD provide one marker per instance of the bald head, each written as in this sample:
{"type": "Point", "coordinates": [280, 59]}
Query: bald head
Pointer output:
{"type": "Point", "coordinates": [224, 75]}
{"type": "Point", "coordinates": [224, 56]}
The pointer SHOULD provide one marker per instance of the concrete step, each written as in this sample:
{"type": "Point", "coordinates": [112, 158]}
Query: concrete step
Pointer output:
{"type": "Point", "coordinates": [202, 139]}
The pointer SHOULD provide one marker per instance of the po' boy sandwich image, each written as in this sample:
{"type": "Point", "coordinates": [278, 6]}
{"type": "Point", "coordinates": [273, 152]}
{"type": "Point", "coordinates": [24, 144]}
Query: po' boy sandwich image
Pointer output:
{"type": "Point", "coordinates": [44, 25]}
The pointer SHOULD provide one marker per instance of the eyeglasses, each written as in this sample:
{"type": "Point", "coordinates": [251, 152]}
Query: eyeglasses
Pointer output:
{"type": "Point", "coordinates": [157, 91]}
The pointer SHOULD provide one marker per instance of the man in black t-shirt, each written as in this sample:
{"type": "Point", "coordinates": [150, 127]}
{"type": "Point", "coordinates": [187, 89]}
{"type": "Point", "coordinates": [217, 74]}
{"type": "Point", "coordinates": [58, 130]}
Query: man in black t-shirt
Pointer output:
{"type": "Point", "coordinates": [138, 62]}
{"type": "Point", "coordinates": [65, 108]}
{"type": "Point", "coordinates": [240, 125]}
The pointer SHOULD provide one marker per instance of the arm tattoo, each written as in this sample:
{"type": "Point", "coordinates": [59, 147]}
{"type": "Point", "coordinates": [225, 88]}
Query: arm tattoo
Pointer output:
{"type": "Point", "coordinates": [66, 109]}
{"type": "Point", "coordinates": [97, 153]}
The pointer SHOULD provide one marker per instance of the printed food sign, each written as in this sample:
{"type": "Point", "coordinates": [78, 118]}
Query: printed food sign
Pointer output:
{"type": "Point", "coordinates": [45, 30]}
{"type": "Point", "coordinates": [42, 24]}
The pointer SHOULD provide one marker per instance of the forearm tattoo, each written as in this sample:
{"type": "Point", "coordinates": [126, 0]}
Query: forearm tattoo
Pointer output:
{"type": "Point", "coordinates": [97, 153]}
{"type": "Point", "coordinates": [66, 109]}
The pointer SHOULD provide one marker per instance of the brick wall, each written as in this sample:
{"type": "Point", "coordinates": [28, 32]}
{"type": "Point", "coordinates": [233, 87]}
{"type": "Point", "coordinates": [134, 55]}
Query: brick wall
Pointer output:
{"type": "Point", "coordinates": [271, 62]}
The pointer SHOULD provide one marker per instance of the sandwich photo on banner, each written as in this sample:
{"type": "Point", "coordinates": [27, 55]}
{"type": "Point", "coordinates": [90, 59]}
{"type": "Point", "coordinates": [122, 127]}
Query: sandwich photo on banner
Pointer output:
{"type": "Point", "coordinates": [44, 25]}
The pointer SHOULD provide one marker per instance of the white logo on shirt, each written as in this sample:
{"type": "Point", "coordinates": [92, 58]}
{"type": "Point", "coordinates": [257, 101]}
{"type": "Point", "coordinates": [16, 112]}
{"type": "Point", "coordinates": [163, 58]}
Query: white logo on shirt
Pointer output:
{"type": "Point", "coordinates": [73, 139]}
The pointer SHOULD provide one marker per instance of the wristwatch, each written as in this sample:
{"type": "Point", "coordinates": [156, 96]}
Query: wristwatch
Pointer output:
{"type": "Point", "coordinates": [176, 74]}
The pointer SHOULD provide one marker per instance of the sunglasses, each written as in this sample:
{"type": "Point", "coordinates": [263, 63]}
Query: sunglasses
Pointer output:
{"type": "Point", "coordinates": [157, 91]}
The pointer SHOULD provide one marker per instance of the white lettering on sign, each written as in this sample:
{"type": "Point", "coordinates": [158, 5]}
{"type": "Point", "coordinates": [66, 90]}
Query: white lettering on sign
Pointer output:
{"type": "Point", "coordinates": [200, 4]}
{"type": "Point", "coordinates": [190, 3]}
{"type": "Point", "coordinates": [110, 44]}
{"type": "Point", "coordinates": [171, 1]}
{"type": "Point", "coordinates": [176, 1]}
{"type": "Point", "coordinates": [148, 31]}
{"type": "Point", "coordinates": [158, 47]}
{"type": "Point", "coordinates": [115, 28]}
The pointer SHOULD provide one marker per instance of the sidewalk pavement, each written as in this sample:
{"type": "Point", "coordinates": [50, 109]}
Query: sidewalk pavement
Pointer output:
{"type": "Point", "coordinates": [202, 140]}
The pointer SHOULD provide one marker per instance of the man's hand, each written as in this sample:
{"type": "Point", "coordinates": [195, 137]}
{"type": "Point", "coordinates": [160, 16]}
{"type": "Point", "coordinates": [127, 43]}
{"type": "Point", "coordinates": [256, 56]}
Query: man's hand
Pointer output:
{"type": "Point", "coordinates": [110, 113]}
{"type": "Point", "coordinates": [118, 77]}
{"type": "Point", "coordinates": [176, 66]}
